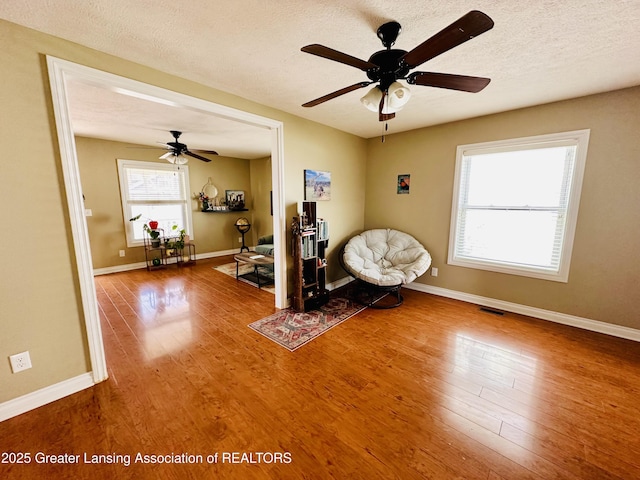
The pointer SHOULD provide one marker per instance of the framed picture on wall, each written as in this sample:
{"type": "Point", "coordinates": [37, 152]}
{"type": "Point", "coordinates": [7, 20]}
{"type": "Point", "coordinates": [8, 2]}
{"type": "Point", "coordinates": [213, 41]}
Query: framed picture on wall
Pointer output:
{"type": "Point", "coordinates": [317, 185]}
{"type": "Point", "coordinates": [235, 199]}
{"type": "Point", "coordinates": [403, 183]}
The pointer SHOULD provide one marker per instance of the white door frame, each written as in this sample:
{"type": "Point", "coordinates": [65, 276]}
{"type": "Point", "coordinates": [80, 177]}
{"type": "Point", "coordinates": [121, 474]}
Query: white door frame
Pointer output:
{"type": "Point", "coordinates": [61, 70]}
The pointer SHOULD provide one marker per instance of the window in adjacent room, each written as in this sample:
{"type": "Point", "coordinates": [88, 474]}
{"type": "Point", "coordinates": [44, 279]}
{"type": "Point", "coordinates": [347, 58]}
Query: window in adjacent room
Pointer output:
{"type": "Point", "coordinates": [157, 192]}
{"type": "Point", "coordinates": [515, 204]}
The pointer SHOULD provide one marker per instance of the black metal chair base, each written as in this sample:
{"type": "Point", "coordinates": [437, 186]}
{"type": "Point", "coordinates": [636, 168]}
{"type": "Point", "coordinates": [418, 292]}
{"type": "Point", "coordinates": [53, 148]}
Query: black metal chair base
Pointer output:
{"type": "Point", "coordinates": [372, 291]}
{"type": "Point", "coordinates": [371, 295]}
{"type": "Point", "coordinates": [384, 306]}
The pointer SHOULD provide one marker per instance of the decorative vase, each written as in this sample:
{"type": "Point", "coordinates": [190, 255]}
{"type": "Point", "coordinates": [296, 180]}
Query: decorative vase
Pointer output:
{"type": "Point", "coordinates": [153, 225]}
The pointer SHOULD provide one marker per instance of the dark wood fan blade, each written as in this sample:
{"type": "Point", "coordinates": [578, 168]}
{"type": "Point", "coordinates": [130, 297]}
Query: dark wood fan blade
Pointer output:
{"type": "Point", "coordinates": [447, 80]}
{"type": "Point", "coordinates": [465, 28]}
{"type": "Point", "coordinates": [149, 148]}
{"type": "Point", "coordinates": [195, 155]}
{"type": "Point", "coordinates": [336, 56]}
{"type": "Point", "coordinates": [208, 152]}
{"type": "Point", "coordinates": [337, 93]}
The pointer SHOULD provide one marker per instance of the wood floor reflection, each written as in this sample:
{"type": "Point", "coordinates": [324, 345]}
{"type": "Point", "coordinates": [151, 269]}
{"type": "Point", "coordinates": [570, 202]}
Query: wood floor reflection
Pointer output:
{"type": "Point", "coordinates": [433, 389]}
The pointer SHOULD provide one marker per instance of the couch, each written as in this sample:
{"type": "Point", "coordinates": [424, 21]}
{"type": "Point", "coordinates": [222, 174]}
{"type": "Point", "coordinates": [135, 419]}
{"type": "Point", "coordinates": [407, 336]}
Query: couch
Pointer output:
{"type": "Point", "coordinates": [265, 245]}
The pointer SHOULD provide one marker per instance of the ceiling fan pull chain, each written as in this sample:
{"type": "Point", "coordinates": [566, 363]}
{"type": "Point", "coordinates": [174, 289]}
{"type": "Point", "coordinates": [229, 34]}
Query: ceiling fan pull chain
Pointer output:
{"type": "Point", "coordinates": [385, 129]}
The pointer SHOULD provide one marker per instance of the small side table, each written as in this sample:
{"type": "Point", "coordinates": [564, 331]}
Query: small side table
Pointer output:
{"type": "Point", "coordinates": [257, 260]}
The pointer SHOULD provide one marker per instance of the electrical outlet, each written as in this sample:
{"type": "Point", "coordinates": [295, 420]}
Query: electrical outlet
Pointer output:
{"type": "Point", "coordinates": [121, 252]}
{"type": "Point", "coordinates": [20, 361]}
{"type": "Point", "coordinates": [239, 239]}
{"type": "Point", "coordinates": [434, 271]}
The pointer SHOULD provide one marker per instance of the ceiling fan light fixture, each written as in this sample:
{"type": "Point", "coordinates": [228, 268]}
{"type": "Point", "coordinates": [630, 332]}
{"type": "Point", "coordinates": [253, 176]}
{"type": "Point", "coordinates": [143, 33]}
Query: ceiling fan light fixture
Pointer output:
{"type": "Point", "coordinates": [372, 99]}
{"type": "Point", "coordinates": [179, 160]}
{"type": "Point", "coordinates": [398, 96]}
{"type": "Point", "coordinates": [176, 159]}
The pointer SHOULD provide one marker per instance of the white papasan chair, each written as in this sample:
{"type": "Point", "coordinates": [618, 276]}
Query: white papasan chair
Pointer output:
{"type": "Point", "coordinates": [383, 260]}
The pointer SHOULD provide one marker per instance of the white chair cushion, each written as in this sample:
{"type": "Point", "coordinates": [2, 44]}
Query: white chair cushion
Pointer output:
{"type": "Point", "coordinates": [385, 257]}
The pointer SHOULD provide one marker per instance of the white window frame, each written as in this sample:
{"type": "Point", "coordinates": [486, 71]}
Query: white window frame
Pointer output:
{"type": "Point", "coordinates": [127, 203]}
{"type": "Point", "coordinates": [579, 138]}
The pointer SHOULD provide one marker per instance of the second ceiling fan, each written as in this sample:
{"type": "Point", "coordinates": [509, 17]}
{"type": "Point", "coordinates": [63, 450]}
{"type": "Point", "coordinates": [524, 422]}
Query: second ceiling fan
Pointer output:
{"type": "Point", "coordinates": [177, 151]}
{"type": "Point", "coordinates": [386, 67]}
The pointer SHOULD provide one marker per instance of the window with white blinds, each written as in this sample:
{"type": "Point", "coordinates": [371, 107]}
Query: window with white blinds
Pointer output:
{"type": "Point", "coordinates": [156, 192]}
{"type": "Point", "coordinates": [515, 204]}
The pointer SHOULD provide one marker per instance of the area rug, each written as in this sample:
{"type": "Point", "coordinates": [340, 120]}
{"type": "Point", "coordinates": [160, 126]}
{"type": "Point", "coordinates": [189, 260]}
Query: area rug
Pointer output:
{"type": "Point", "coordinates": [293, 329]}
{"type": "Point", "coordinates": [244, 268]}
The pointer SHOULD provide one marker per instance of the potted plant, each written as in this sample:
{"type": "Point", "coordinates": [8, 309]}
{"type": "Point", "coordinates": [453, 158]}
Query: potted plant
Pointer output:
{"type": "Point", "coordinates": [180, 240]}
{"type": "Point", "coordinates": [151, 228]}
{"type": "Point", "coordinates": [175, 247]}
{"type": "Point", "coordinates": [153, 234]}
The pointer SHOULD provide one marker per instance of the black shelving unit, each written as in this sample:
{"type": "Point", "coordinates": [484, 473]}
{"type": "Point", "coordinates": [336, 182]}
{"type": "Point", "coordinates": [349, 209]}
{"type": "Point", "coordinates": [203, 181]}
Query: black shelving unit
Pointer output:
{"type": "Point", "coordinates": [310, 240]}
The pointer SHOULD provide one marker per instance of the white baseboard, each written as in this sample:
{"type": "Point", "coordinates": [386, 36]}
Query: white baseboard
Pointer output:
{"type": "Point", "coordinates": [33, 400]}
{"type": "Point", "coordinates": [119, 268]}
{"type": "Point", "coordinates": [139, 265]}
{"type": "Point", "coordinates": [562, 318]}
{"type": "Point", "coordinates": [220, 253]}
{"type": "Point", "coordinates": [339, 283]}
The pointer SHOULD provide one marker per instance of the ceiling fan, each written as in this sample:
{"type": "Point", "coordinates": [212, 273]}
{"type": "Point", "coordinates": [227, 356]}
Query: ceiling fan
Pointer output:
{"type": "Point", "coordinates": [177, 151]}
{"type": "Point", "coordinates": [386, 67]}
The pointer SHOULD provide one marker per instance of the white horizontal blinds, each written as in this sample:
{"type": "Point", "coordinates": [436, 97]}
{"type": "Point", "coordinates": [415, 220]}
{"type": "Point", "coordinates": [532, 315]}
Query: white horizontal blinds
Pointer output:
{"type": "Point", "coordinates": [512, 206]}
{"type": "Point", "coordinates": [146, 185]}
{"type": "Point", "coordinates": [155, 192]}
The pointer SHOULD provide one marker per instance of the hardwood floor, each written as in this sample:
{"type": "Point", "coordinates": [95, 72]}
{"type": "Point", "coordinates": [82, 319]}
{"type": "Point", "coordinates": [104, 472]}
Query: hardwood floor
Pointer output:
{"type": "Point", "coordinates": [435, 389]}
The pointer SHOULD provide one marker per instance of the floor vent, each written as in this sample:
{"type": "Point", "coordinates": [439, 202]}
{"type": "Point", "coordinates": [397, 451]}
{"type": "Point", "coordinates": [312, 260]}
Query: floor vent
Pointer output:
{"type": "Point", "coordinates": [491, 310]}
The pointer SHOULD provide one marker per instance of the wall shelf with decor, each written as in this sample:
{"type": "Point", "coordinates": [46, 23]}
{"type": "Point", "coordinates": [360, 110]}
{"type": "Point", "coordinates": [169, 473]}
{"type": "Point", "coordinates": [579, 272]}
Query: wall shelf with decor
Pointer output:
{"type": "Point", "coordinates": [227, 210]}
{"type": "Point", "coordinates": [233, 201]}
{"type": "Point", "coordinates": [310, 239]}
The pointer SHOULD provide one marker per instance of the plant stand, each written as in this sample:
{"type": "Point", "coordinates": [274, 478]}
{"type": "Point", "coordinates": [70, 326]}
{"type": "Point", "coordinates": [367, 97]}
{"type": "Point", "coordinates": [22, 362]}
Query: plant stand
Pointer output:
{"type": "Point", "coordinates": [162, 256]}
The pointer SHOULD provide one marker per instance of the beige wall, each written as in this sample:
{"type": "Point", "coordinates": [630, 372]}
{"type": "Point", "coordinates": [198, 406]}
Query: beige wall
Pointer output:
{"type": "Point", "coordinates": [40, 307]}
{"type": "Point", "coordinates": [212, 232]}
{"type": "Point", "coordinates": [260, 205]}
{"type": "Point", "coordinates": [332, 153]}
{"type": "Point", "coordinates": [605, 267]}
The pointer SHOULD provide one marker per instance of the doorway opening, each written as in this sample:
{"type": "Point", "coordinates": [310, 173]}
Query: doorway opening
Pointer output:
{"type": "Point", "coordinates": [61, 73]}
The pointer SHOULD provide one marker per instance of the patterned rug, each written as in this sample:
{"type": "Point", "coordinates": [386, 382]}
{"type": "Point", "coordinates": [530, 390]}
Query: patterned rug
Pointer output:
{"type": "Point", "coordinates": [230, 269]}
{"type": "Point", "coordinates": [293, 329]}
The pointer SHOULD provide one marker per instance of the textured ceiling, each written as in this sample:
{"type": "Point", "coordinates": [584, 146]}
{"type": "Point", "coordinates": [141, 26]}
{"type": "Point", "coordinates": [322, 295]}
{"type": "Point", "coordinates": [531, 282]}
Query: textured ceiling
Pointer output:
{"type": "Point", "coordinates": [109, 114]}
{"type": "Point", "coordinates": [539, 51]}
